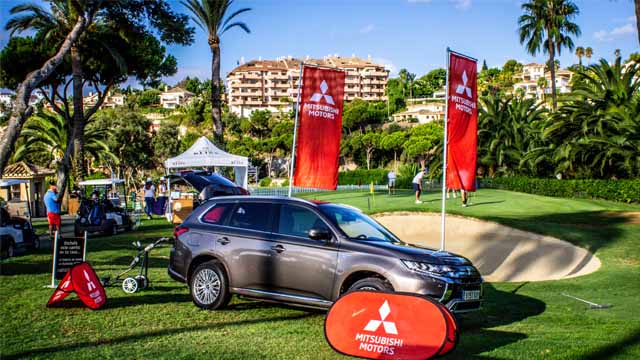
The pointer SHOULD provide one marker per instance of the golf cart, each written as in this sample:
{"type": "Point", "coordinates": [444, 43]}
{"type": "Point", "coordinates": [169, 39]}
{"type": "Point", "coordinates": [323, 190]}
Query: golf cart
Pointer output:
{"type": "Point", "coordinates": [17, 231]}
{"type": "Point", "coordinates": [105, 209]}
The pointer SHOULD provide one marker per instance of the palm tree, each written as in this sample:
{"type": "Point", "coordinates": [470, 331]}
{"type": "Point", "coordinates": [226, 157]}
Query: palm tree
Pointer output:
{"type": "Point", "coordinates": [588, 53]}
{"type": "Point", "coordinates": [596, 133]}
{"type": "Point", "coordinates": [580, 54]}
{"type": "Point", "coordinates": [637, 6]}
{"type": "Point", "coordinates": [543, 84]}
{"type": "Point", "coordinates": [46, 135]}
{"type": "Point", "coordinates": [546, 25]}
{"type": "Point", "coordinates": [211, 16]}
{"type": "Point", "coordinates": [617, 54]}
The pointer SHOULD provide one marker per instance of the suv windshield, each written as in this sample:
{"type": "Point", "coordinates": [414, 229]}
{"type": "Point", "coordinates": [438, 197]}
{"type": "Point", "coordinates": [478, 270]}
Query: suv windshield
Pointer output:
{"type": "Point", "coordinates": [357, 225]}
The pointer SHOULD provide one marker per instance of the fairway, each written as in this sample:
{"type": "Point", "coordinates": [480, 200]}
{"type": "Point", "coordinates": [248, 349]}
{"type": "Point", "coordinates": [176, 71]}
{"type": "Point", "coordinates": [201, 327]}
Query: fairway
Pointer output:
{"type": "Point", "coordinates": [518, 321]}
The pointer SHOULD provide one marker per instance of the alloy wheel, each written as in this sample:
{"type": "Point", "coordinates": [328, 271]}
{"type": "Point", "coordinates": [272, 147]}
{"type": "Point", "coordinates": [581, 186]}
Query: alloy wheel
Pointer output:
{"type": "Point", "coordinates": [206, 286]}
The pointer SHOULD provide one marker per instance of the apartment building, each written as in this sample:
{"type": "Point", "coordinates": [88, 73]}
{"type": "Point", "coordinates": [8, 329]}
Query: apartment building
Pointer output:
{"type": "Point", "coordinates": [273, 84]}
{"type": "Point", "coordinates": [528, 81]}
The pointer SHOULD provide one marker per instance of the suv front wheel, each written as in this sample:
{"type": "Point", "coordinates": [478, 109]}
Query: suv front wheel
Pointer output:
{"type": "Point", "coordinates": [208, 286]}
{"type": "Point", "coordinates": [371, 284]}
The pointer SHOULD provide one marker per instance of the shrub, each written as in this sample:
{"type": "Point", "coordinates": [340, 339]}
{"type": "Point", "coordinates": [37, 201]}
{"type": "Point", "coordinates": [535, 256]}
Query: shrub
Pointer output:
{"type": "Point", "coordinates": [616, 190]}
{"type": "Point", "coordinates": [285, 183]}
{"type": "Point", "coordinates": [265, 182]}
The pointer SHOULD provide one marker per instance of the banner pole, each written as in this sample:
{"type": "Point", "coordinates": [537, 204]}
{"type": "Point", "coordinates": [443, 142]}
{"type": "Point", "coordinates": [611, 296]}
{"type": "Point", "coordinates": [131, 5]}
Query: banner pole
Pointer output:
{"type": "Point", "coordinates": [295, 130]}
{"type": "Point", "coordinates": [84, 253]}
{"type": "Point", "coordinates": [444, 155]}
{"type": "Point", "coordinates": [53, 266]}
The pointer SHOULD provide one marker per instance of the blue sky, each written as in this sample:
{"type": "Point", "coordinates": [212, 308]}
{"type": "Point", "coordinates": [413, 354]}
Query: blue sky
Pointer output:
{"type": "Point", "coordinates": [410, 34]}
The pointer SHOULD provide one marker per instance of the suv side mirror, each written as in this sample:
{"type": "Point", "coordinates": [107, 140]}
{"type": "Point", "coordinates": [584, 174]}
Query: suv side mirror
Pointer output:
{"type": "Point", "coordinates": [319, 234]}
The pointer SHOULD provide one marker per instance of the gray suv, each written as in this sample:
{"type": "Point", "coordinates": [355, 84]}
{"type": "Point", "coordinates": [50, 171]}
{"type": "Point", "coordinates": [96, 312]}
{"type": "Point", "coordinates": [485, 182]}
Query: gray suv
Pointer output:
{"type": "Point", "coordinates": [307, 253]}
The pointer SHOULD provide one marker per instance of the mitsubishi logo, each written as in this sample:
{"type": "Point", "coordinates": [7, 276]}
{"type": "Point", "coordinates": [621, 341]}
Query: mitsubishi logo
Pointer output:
{"type": "Point", "coordinates": [389, 326]}
{"type": "Point", "coordinates": [463, 88]}
{"type": "Point", "coordinates": [316, 97]}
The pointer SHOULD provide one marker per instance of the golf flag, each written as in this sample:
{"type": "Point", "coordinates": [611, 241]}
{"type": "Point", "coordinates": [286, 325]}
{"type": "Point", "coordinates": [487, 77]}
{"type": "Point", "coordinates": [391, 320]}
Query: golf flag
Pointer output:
{"type": "Point", "coordinates": [462, 123]}
{"type": "Point", "coordinates": [320, 128]}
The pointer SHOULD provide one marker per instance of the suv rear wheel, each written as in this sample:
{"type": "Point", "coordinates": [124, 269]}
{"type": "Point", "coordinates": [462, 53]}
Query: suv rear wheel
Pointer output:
{"type": "Point", "coordinates": [371, 284]}
{"type": "Point", "coordinates": [208, 286]}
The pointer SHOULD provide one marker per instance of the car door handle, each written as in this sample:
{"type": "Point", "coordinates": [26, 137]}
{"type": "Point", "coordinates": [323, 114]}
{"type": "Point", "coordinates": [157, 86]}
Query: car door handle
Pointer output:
{"type": "Point", "coordinates": [223, 240]}
{"type": "Point", "coordinates": [277, 248]}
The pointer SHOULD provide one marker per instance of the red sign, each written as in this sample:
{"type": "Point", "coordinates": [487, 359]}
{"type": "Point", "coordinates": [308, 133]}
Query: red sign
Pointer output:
{"type": "Point", "coordinates": [319, 129]}
{"type": "Point", "coordinates": [378, 325]}
{"type": "Point", "coordinates": [462, 123]}
{"type": "Point", "coordinates": [82, 280]}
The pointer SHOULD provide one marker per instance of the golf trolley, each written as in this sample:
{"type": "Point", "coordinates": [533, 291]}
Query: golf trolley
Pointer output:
{"type": "Point", "coordinates": [130, 284]}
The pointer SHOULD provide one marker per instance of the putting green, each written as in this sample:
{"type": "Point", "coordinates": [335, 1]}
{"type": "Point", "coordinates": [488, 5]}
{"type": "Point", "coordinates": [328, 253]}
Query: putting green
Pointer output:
{"type": "Point", "coordinates": [500, 253]}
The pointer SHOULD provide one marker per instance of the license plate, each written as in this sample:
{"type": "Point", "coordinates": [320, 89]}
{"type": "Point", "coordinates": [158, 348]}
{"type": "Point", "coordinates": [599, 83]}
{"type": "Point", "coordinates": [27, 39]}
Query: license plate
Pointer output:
{"type": "Point", "coordinates": [471, 295]}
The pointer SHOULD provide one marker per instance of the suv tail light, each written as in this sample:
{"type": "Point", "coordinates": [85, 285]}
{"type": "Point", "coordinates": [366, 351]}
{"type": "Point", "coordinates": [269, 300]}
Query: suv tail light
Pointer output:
{"type": "Point", "coordinates": [179, 230]}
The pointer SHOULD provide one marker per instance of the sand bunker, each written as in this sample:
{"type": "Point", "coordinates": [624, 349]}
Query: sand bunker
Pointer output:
{"type": "Point", "coordinates": [499, 252]}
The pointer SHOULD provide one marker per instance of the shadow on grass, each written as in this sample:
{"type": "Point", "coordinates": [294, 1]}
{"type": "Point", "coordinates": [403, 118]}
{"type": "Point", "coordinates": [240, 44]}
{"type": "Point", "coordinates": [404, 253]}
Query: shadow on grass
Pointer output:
{"type": "Point", "coordinates": [499, 308]}
{"type": "Point", "coordinates": [150, 334]}
{"type": "Point", "coordinates": [127, 301]}
{"type": "Point", "coordinates": [25, 268]}
{"type": "Point", "coordinates": [612, 351]}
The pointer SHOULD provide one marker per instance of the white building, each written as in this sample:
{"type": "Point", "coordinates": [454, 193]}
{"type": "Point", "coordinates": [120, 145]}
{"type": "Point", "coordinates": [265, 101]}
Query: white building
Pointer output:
{"type": "Point", "coordinates": [171, 99]}
{"type": "Point", "coordinates": [425, 110]}
{"type": "Point", "coordinates": [532, 73]}
{"type": "Point", "coordinates": [110, 101]}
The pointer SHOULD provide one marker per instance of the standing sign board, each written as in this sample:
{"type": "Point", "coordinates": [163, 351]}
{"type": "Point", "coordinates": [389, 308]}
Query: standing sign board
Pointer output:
{"type": "Point", "coordinates": [67, 252]}
{"type": "Point", "coordinates": [320, 128]}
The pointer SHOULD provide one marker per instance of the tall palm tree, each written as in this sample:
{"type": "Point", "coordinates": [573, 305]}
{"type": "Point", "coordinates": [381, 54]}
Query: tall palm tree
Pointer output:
{"type": "Point", "coordinates": [580, 54]}
{"type": "Point", "coordinates": [637, 6]}
{"type": "Point", "coordinates": [211, 16]}
{"type": "Point", "coordinates": [617, 54]}
{"type": "Point", "coordinates": [46, 135]}
{"type": "Point", "coordinates": [546, 25]}
{"type": "Point", "coordinates": [588, 53]}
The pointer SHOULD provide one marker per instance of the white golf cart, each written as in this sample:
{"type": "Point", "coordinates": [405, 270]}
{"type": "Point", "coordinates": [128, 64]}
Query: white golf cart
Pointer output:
{"type": "Point", "coordinates": [105, 209]}
{"type": "Point", "coordinates": [16, 232]}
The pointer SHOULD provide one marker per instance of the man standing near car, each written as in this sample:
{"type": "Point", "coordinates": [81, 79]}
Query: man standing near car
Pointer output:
{"type": "Point", "coordinates": [53, 208]}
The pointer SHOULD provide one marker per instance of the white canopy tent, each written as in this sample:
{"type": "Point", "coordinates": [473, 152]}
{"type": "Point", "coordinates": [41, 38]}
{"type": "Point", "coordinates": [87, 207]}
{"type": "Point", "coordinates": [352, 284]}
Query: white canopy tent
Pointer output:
{"type": "Point", "coordinates": [203, 153]}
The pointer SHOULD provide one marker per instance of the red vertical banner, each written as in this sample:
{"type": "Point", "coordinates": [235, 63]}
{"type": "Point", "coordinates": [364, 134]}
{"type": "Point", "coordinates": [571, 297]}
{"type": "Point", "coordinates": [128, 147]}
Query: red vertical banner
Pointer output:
{"type": "Point", "coordinates": [462, 122]}
{"type": "Point", "coordinates": [319, 128]}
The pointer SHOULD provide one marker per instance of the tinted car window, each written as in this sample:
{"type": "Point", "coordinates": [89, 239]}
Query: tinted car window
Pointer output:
{"type": "Point", "coordinates": [252, 216]}
{"type": "Point", "coordinates": [297, 221]}
{"type": "Point", "coordinates": [217, 214]}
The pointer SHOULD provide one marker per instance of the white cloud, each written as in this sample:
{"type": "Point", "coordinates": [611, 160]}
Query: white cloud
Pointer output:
{"type": "Point", "coordinates": [367, 29]}
{"type": "Point", "coordinates": [461, 4]}
{"type": "Point", "coordinates": [615, 33]}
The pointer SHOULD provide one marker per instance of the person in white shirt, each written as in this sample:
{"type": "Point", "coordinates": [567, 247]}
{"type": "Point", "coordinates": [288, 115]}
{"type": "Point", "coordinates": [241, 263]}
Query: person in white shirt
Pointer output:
{"type": "Point", "coordinates": [417, 184]}
{"type": "Point", "coordinates": [149, 197]}
{"type": "Point", "coordinates": [162, 187]}
{"type": "Point", "coordinates": [392, 182]}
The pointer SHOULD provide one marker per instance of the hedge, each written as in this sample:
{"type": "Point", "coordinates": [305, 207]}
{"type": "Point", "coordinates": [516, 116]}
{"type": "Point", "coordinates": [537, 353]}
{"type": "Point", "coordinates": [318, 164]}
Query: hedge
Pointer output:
{"type": "Point", "coordinates": [627, 191]}
{"type": "Point", "coordinates": [363, 177]}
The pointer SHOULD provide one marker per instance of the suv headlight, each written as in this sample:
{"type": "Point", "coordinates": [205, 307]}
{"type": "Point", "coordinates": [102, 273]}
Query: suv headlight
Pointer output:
{"type": "Point", "coordinates": [427, 268]}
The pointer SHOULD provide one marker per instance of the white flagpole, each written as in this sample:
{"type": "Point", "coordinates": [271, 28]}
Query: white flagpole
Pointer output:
{"type": "Point", "coordinates": [295, 130]}
{"type": "Point", "coordinates": [444, 155]}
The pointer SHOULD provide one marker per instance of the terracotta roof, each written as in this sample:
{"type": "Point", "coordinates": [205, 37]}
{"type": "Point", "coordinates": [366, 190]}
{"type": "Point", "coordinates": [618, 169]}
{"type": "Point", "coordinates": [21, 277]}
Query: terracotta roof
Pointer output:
{"type": "Point", "coordinates": [22, 169]}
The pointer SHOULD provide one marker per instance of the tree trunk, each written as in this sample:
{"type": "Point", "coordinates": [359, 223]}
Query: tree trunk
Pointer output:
{"type": "Point", "coordinates": [552, 69]}
{"type": "Point", "coordinates": [368, 160]}
{"type": "Point", "coordinates": [216, 106]}
{"type": "Point", "coordinates": [21, 109]}
{"type": "Point", "coordinates": [637, 3]}
{"type": "Point", "coordinates": [77, 132]}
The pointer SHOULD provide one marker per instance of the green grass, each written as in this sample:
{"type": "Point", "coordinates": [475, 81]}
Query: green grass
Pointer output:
{"type": "Point", "coordinates": [518, 321]}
